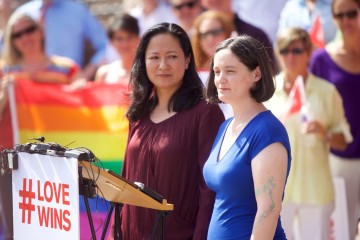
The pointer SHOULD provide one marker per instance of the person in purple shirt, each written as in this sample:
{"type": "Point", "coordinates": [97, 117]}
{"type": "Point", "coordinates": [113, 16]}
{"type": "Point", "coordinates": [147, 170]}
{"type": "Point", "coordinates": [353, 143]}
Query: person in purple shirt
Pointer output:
{"type": "Point", "coordinates": [339, 63]}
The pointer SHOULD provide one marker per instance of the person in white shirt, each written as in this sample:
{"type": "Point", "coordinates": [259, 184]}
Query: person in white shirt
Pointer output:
{"type": "Point", "coordinates": [151, 12]}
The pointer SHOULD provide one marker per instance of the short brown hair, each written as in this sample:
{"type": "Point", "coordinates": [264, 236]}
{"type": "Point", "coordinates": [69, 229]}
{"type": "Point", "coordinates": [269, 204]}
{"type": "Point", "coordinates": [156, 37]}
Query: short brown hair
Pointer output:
{"type": "Point", "coordinates": [291, 35]}
{"type": "Point", "coordinates": [252, 53]}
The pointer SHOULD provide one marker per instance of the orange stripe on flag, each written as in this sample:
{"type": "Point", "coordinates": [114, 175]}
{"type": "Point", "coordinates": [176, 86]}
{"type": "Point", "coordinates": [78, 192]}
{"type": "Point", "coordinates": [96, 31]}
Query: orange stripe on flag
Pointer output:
{"type": "Point", "coordinates": [58, 118]}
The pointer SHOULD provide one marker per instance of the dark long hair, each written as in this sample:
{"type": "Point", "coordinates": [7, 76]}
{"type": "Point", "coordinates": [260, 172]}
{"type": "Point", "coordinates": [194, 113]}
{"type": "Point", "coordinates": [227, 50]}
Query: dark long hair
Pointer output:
{"type": "Point", "coordinates": [252, 54]}
{"type": "Point", "coordinates": [143, 97]}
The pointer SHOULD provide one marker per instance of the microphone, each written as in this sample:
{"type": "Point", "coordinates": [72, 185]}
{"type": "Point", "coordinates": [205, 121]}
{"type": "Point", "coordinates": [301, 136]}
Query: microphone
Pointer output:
{"type": "Point", "coordinates": [40, 139]}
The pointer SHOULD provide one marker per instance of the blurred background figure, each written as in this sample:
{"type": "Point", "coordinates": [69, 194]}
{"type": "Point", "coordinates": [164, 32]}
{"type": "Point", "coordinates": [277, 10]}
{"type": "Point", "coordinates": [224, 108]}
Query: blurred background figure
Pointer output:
{"type": "Point", "coordinates": [24, 55]}
{"type": "Point", "coordinates": [266, 20]}
{"type": "Point", "coordinates": [312, 15]}
{"type": "Point", "coordinates": [339, 63]}
{"type": "Point", "coordinates": [151, 12]}
{"type": "Point", "coordinates": [241, 26]}
{"type": "Point", "coordinates": [6, 8]}
{"type": "Point", "coordinates": [123, 33]}
{"type": "Point", "coordinates": [5, 11]}
{"type": "Point", "coordinates": [70, 29]}
{"type": "Point", "coordinates": [24, 58]}
{"type": "Point", "coordinates": [309, 194]}
{"type": "Point", "coordinates": [210, 28]}
{"type": "Point", "coordinates": [185, 12]}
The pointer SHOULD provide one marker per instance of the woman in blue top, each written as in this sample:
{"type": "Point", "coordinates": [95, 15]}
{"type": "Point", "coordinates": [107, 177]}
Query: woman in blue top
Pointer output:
{"type": "Point", "coordinates": [250, 159]}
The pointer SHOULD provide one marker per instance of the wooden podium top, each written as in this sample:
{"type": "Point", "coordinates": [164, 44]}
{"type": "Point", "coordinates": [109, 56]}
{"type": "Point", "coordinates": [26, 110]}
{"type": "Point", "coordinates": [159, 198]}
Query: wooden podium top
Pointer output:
{"type": "Point", "coordinates": [115, 188]}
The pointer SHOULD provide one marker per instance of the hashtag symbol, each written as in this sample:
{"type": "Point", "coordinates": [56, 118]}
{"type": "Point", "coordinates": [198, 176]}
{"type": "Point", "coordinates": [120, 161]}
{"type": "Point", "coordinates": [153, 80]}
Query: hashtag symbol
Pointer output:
{"type": "Point", "coordinates": [25, 205]}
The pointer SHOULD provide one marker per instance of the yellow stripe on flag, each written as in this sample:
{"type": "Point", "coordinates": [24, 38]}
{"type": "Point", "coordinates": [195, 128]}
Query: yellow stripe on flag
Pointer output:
{"type": "Point", "coordinates": [105, 145]}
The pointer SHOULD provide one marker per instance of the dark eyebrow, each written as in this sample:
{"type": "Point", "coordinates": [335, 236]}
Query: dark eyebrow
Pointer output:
{"type": "Point", "coordinates": [230, 67]}
{"type": "Point", "coordinates": [170, 51]}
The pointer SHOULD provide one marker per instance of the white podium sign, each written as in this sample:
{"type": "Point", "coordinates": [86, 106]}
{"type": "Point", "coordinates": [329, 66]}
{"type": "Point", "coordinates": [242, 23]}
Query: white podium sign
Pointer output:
{"type": "Point", "coordinates": [46, 197]}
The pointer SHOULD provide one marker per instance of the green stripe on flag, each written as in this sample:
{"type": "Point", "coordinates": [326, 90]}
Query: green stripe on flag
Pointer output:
{"type": "Point", "coordinates": [113, 165]}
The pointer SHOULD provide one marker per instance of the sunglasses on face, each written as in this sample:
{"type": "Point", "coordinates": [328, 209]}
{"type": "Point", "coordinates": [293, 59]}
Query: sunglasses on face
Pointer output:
{"type": "Point", "coordinates": [294, 51]}
{"type": "Point", "coordinates": [25, 31]}
{"type": "Point", "coordinates": [214, 33]}
{"type": "Point", "coordinates": [349, 14]}
{"type": "Point", "coordinates": [183, 5]}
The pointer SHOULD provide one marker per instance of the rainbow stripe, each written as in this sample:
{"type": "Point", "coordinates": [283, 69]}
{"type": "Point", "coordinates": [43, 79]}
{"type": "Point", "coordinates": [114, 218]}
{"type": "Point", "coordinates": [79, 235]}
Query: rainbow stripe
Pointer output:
{"type": "Point", "coordinates": [92, 117]}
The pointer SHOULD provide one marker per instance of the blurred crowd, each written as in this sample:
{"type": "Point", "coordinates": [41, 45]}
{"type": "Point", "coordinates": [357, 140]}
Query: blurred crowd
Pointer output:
{"type": "Point", "coordinates": [68, 42]}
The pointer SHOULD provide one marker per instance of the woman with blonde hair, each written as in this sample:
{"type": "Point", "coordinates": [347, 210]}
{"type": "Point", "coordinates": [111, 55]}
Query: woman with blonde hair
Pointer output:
{"type": "Point", "coordinates": [321, 123]}
{"type": "Point", "coordinates": [24, 52]}
{"type": "Point", "coordinates": [24, 58]}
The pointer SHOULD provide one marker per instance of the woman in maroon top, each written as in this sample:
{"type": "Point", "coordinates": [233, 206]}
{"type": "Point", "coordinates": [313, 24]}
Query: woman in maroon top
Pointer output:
{"type": "Point", "coordinates": [172, 129]}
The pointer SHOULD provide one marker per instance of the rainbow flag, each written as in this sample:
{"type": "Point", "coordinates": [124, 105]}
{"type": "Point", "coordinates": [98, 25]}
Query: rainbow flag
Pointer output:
{"type": "Point", "coordinates": [92, 117]}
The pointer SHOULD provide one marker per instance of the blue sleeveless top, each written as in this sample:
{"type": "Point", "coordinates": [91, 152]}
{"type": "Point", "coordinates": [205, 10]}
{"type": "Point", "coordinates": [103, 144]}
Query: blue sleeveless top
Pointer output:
{"type": "Point", "coordinates": [231, 178]}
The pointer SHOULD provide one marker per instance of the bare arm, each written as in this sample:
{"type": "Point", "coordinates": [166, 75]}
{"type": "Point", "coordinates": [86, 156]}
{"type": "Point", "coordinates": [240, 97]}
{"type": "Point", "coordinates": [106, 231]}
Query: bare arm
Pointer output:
{"type": "Point", "coordinates": [101, 73]}
{"type": "Point", "coordinates": [80, 79]}
{"type": "Point", "coordinates": [336, 140]}
{"type": "Point", "coordinates": [3, 99]}
{"type": "Point", "coordinates": [4, 84]}
{"type": "Point", "coordinates": [88, 72]}
{"type": "Point", "coordinates": [269, 173]}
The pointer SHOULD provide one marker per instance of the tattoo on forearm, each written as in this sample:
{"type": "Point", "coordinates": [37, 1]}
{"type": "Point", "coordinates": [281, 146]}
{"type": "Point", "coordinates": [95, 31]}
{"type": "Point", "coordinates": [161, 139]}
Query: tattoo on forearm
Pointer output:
{"type": "Point", "coordinates": [267, 189]}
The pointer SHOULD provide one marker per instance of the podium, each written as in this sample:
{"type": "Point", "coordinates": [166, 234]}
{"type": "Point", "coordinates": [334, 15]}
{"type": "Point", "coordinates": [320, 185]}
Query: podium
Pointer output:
{"type": "Point", "coordinates": [45, 194]}
{"type": "Point", "coordinates": [119, 191]}
{"type": "Point", "coordinates": [93, 181]}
